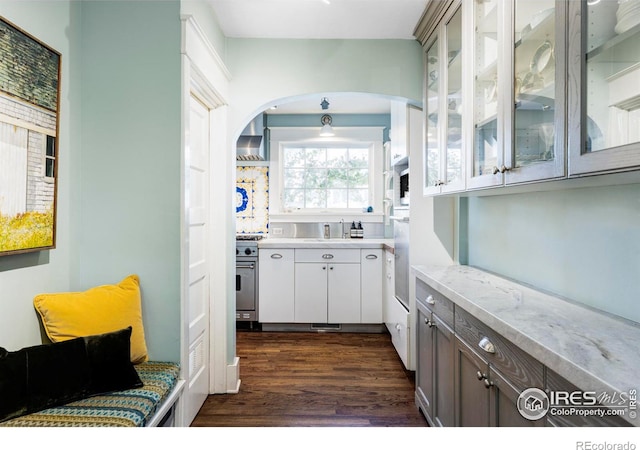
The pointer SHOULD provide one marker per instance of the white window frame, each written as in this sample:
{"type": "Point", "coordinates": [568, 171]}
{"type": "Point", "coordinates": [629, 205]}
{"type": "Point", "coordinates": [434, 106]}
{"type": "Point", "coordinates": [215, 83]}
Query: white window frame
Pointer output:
{"type": "Point", "coordinates": [281, 137]}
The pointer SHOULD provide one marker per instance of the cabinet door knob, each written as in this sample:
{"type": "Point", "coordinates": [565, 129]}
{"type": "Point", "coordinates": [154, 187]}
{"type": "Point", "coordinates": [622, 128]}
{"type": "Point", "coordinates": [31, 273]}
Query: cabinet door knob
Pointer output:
{"type": "Point", "coordinates": [480, 375]}
{"type": "Point", "coordinates": [486, 345]}
{"type": "Point", "coordinates": [324, 267]}
{"type": "Point", "coordinates": [398, 327]}
{"type": "Point", "coordinates": [430, 300]}
{"type": "Point", "coordinates": [504, 169]}
{"type": "Point", "coordinates": [495, 170]}
{"type": "Point", "coordinates": [488, 383]}
{"type": "Point", "coordinates": [331, 268]}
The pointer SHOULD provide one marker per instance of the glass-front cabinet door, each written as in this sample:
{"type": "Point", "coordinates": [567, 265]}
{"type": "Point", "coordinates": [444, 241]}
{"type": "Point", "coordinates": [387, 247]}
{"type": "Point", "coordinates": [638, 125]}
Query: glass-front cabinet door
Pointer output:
{"type": "Point", "coordinates": [604, 55]}
{"type": "Point", "coordinates": [518, 91]}
{"type": "Point", "coordinates": [432, 177]}
{"type": "Point", "coordinates": [444, 156]}
{"type": "Point", "coordinates": [486, 145]}
{"type": "Point", "coordinates": [536, 123]}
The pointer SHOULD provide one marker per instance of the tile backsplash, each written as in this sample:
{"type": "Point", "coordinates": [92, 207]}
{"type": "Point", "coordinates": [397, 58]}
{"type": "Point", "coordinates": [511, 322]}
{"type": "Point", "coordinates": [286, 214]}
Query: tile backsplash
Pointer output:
{"type": "Point", "coordinates": [252, 199]}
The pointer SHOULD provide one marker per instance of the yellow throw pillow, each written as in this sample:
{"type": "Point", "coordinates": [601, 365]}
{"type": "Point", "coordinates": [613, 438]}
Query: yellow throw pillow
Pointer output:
{"type": "Point", "coordinates": [99, 310]}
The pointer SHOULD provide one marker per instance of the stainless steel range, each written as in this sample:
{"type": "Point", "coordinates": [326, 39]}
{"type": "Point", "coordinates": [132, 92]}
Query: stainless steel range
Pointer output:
{"type": "Point", "coordinates": [247, 277]}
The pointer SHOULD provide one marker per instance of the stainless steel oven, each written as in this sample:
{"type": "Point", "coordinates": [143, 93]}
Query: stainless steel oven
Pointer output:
{"type": "Point", "coordinates": [247, 278]}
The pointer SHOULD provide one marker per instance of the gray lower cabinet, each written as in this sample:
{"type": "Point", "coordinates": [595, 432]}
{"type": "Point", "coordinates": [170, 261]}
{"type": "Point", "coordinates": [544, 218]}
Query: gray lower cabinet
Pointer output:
{"type": "Point", "coordinates": [557, 383]}
{"type": "Point", "coordinates": [434, 371]}
{"type": "Point", "coordinates": [466, 374]}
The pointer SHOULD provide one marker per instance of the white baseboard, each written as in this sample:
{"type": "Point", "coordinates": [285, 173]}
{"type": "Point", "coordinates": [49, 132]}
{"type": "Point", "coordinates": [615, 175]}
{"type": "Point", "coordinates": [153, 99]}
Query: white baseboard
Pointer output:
{"type": "Point", "coordinates": [233, 376]}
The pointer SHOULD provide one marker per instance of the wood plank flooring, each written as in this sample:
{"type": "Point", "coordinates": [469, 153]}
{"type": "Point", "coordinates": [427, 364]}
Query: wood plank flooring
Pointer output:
{"type": "Point", "coordinates": [299, 379]}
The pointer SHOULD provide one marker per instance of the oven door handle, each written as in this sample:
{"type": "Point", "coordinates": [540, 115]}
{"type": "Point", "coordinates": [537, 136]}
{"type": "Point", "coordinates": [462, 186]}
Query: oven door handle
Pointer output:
{"type": "Point", "coordinates": [247, 266]}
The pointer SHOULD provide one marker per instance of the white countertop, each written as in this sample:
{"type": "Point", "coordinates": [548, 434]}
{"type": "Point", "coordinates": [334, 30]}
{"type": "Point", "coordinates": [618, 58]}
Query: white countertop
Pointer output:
{"type": "Point", "coordinates": [593, 350]}
{"type": "Point", "coordinates": [323, 243]}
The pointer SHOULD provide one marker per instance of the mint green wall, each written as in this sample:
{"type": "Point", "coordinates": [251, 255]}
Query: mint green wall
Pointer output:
{"type": "Point", "coordinates": [202, 12]}
{"type": "Point", "coordinates": [126, 213]}
{"type": "Point", "coordinates": [24, 276]}
{"type": "Point", "coordinates": [583, 244]}
{"type": "Point", "coordinates": [265, 70]}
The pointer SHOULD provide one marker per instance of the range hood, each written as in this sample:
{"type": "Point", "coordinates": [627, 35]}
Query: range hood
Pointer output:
{"type": "Point", "coordinates": [250, 145]}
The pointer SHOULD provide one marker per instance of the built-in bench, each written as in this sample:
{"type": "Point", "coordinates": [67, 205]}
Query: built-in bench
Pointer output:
{"type": "Point", "coordinates": [152, 405]}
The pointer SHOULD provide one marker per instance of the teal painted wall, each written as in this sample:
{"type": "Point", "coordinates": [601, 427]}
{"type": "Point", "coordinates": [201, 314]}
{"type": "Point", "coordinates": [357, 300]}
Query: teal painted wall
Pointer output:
{"type": "Point", "coordinates": [126, 214]}
{"type": "Point", "coordinates": [24, 276]}
{"type": "Point", "coordinates": [583, 244]}
{"type": "Point", "coordinates": [265, 70]}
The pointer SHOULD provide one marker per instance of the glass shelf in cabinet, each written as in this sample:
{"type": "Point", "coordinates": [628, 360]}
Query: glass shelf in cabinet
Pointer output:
{"type": "Point", "coordinates": [609, 47]}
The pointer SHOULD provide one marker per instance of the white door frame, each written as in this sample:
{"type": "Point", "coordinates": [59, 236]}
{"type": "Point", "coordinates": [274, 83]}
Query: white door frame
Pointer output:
{"type": "Point", "coordinates": [204, 74]}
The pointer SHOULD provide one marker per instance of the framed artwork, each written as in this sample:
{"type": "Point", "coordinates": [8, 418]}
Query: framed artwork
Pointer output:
{"type": "Point", "coordinates": [29, 115]}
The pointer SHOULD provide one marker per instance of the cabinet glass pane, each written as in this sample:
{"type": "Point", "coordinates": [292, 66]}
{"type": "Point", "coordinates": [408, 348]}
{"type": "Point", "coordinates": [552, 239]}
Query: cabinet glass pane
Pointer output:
{"type": "Point", "coordinates": [454, 98]}
{"type": "Point", "coordinates": [432, 158]}
{"type": "Point", "coordinates": [485, 145]}
{"type": "Point", "coordinates": [612, 92]}
{"type": "Point", "coordinates": [534, 83]}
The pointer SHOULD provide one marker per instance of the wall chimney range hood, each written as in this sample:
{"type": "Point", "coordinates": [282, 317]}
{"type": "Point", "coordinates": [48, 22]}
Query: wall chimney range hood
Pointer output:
{"type": "Point", "coordinates": [250, 145]}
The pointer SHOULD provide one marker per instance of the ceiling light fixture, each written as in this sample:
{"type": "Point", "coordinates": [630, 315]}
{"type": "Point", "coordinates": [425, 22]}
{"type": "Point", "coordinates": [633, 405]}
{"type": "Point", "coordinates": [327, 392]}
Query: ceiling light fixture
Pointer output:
{"type": "Point", "coordinates": [326, 130]}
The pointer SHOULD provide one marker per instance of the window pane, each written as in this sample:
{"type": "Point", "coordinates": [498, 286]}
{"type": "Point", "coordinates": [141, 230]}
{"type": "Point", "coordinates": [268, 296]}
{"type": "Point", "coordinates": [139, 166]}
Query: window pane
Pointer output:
{"type": "Point", "coordinates": [358, 198]}
{"type": "Point", "coordinates": [359, 178]}
{"type": "Point", "coordinates": [337, 198]}
{"type": "Point", "coordinates": [294, 198]}
{"type": "Point", "coordinates": [337, 157]}
{"type": "Point", "coordinates": [293, 157]}
{"type": "Point", "coordinates": [337, 178]}
{"type": "Point", "coordinates": [51, 146]}
{"type": "Point", "coordinates": [316, 198]}
{"type": "Point", "coordinates": [316, 157]}
{"type": "Point", "coordinates": [49, 168]}
{"type": "Point", "coordinates": [315, 178]}
{"type": "Point", "coordinates": [294, 178]}
{"type": "Point", "coordinates": [359, 157]}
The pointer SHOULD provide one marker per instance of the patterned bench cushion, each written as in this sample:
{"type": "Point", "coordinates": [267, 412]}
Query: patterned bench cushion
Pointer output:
{"type": "Point", "coordinates": [131, 408]}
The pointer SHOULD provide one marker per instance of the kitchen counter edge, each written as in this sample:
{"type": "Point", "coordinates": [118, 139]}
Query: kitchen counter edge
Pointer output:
{"type": "Point", "coordinates": [325, 243]}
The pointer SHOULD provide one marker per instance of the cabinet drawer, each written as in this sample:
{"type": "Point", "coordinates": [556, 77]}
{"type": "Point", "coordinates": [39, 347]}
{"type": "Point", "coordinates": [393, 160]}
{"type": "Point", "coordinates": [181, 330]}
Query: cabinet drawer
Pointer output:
{"type": "Point", "coordinates": [397, 323]}
{"type": "Point", "coordinates": [328, 255]}
{"type": "Point", "coordinates": [435, 302]}
{"type": "Point", "coordinates": [519, 367]}
{"type": "Point", "coordinates": [556, 382]}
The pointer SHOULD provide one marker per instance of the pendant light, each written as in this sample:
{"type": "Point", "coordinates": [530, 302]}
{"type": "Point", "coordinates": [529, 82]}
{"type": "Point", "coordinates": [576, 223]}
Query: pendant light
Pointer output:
{"type": "Point", "coordinates": [326, 130]}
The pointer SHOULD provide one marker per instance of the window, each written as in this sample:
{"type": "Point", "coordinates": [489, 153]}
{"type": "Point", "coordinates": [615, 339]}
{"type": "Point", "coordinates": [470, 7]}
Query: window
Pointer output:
{"type": "Point", "coordinates": [50, 159]}
{"type": "Point", "coordinates": [326, 177]}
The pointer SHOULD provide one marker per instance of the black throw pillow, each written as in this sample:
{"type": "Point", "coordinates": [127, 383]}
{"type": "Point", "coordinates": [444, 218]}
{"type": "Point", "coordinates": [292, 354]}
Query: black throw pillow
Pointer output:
{"type": "Point", "coordinates": [109, 358]}
{"type": "Point", "coordinates": [13, 384]}
{"type": "Point", "coordinates": [57, 374]}
{"type": "Point", "coordinates": [44, 376]}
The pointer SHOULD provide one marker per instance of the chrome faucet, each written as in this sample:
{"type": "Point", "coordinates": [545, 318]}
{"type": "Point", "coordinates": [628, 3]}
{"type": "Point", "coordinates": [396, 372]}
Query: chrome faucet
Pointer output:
{"type": "Point", "coordinates": [327, 232]}
{"type": "Point", "coordinates": [344, 234]}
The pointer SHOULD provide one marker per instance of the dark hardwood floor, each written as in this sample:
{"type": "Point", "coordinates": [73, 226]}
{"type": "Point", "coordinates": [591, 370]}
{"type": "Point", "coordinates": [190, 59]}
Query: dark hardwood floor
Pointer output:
{"type": "Point", "coordinates": [300, 379]}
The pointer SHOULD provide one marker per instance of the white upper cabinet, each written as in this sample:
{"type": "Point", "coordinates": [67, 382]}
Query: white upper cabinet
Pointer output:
{"type": "Point", "coordinates": [604, 99]}
{"type": "Point", "coordinates": [443, 149]}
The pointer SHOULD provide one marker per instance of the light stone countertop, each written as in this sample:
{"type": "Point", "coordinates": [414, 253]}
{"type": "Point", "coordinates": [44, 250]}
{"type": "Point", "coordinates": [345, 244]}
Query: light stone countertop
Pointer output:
{"type": "Point", "coordinates": [591, 349]}
{"type": "Point", "coordinates": [324, 243]}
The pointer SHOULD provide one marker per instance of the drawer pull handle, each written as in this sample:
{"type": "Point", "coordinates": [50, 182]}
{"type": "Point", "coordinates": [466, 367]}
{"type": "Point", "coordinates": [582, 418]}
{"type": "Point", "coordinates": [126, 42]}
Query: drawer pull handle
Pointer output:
{"type": "Point", "coordinates": [327, 256]}
{"type": "Point", "coordinates": [430, 300]}
{"type": "Point", "coordinates": [486, 345]}
{"type": "Point", "coordinates": [371, 256]}
{"type": "Point", "coordinates": [276, 256]}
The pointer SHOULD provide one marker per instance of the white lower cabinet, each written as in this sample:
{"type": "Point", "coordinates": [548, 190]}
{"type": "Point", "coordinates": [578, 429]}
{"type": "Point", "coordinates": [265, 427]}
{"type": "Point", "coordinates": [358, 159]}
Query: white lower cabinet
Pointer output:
{"type": "Point", "coordinates": [276, 285]}
{"type": "Point", "coordinates": [336, 286]}
{"type": "Point", "coordinates": [371, 268]}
